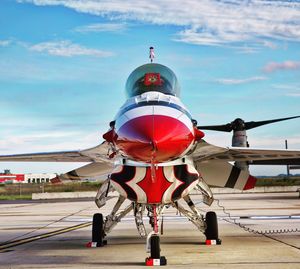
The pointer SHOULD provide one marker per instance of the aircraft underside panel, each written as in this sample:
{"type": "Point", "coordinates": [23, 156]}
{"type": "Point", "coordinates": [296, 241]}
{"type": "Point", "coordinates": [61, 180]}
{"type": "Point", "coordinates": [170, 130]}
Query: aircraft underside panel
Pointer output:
{"type": "Point", "coordinates": [154, 185]}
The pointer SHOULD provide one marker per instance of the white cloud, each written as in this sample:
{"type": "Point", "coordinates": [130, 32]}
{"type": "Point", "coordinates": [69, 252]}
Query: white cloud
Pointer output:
{"type": "Point", "coordinates": [255, 140]}
{"type": "Point", "coordinates": [255, 47]}
{"type": "Point", "coordinates": [275, 142]}
{"type": "Point", "coordinates": [269, 44]}
{"type": "Point", "coordinates": [287, 65]}
{"type": "Point", "coordinates": [35, 142]}
{"type": "Point", "coordinates": [248, 50]}
{"type": "Point", "coordinates": [102, 27]}
{"type": "Point", "coordinates": [233, 81]}
{"type": "Point", "coordinates": [206, 22]}
{"type": "Point", "coordinates": [289, 89]}
{"type": "Point", "coordinates": [293, 94]}
{"type": "Point", "coordinates": [290, 86]}
{"type": "Point", "coordinates": [68, 49]}
{"type": "Point", "coordinates": [52, 141]}
{"type": "Point", "coordinates": [4, 43]}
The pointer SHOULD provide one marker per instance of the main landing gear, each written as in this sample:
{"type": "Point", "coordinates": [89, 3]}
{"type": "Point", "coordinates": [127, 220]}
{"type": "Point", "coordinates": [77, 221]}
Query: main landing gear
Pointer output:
{"type": "Point", "coordinates": [98, 231]}
{"type": "Point", "coordinates": [100, 226]}
{"type": "Point", "coordinates": [211, 231]}
{"type": "Point", "coordinates": [208, 225]}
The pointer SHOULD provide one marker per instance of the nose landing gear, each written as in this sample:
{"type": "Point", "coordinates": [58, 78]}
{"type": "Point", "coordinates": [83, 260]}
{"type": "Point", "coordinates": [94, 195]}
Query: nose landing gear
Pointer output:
{"type": "Point", "coordinates": [153, 242]}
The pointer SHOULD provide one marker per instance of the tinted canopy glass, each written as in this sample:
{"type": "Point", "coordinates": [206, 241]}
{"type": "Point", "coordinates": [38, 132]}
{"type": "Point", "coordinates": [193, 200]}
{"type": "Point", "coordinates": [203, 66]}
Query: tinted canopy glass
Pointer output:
{"type": "Point", "coordinates": [152, 77]}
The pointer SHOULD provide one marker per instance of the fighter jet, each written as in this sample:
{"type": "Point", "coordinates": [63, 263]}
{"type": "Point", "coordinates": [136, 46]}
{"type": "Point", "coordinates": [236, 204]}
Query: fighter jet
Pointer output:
{"type": "Point", "coordinates": [154, 154]}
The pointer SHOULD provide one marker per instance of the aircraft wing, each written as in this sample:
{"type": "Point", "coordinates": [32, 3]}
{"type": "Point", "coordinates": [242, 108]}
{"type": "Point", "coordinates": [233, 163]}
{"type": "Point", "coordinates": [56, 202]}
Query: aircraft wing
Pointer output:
{"type": "Point", "coordinates": [98, 156]}
{"type": "Point", "coordinates": [95, 154]}
{"type": "Point", "coordinates": [91, 171]}
{"type": "Point", "coordinates": [205, 151]}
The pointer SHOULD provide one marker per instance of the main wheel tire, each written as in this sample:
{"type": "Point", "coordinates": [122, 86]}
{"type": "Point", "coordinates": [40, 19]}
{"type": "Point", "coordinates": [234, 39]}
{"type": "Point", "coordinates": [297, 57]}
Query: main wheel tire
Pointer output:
{"type": "Point", "coordinates": [211, 231]}
{"type": "Point", "coordinates": [97, 229]}
{"type": "Point", "coordinates": [155, 247]}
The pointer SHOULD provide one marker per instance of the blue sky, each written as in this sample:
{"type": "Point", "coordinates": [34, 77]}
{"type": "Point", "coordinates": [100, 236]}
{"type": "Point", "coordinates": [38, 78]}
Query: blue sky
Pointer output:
{"type": "Point", "coordinates": [64, 64]}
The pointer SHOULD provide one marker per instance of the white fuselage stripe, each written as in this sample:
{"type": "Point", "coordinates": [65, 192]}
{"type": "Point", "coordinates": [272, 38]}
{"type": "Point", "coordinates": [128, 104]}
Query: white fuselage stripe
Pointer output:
{"type": "Point", "coordinates": [154, 110]}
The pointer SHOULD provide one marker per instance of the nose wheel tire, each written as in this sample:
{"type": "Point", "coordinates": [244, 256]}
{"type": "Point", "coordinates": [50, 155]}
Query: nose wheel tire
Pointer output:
{"type": "Point", "coordinates": [98, 231]}
{"type": "Point", "coordinates": [155, 247]}
{"type": "Point", "coordinates": [211, 232]}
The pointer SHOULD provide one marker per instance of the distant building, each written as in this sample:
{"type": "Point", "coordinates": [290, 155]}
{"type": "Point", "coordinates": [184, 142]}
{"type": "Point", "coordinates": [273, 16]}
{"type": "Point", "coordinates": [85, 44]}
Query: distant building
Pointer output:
{"type": "Point", "coordinates": [8, 177]}
{"type": "Point", "coordinates": [38, 178]}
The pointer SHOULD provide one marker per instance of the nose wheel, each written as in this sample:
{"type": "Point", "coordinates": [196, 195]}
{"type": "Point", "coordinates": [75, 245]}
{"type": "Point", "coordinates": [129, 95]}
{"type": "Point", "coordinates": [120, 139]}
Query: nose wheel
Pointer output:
{"type": "Point", "coordinates": [153, 242]}
{"type": "Point", "coordinates": [155, 246]}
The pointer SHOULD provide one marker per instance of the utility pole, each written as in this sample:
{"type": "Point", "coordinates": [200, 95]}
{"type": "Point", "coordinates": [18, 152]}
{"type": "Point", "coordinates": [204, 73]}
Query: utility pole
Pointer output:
{"type": "Point", "coordinates": [20, 189]}
{"type": "Point", "coordinates": [287, 167]}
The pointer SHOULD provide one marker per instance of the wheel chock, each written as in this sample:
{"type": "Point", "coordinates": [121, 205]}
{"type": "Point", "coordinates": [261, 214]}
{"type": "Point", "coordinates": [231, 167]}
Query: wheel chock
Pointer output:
{"type": "Point", "coordinates": [156, 262]}
{"type": "Point", "coordinates": [96, 244]}
{"type": "Point", "coordinates": [213, 242]}
{"type": "Point", "coordinates": [91, 244]}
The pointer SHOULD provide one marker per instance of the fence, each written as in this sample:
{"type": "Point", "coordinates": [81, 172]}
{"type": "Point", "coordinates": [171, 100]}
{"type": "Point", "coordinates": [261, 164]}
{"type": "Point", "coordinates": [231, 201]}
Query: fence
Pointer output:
{"type": "Point", "coordinates": [23, 189]}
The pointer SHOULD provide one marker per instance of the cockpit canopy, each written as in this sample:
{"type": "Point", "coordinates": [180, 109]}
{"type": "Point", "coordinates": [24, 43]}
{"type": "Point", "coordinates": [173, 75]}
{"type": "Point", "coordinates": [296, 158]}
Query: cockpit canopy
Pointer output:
{"type": "Point", "coordinates": [152, 77]}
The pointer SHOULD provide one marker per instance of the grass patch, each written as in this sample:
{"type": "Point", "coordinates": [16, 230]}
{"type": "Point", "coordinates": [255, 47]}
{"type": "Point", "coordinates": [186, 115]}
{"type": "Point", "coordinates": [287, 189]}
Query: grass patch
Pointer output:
{"type": "Point", "coordinates": [278, 181]}
{"type": "Point", "coordinates": [16, 197]}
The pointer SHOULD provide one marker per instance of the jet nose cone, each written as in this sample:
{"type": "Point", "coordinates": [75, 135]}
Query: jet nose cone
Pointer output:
{"type": "Point", "coordinates": [154, 137]}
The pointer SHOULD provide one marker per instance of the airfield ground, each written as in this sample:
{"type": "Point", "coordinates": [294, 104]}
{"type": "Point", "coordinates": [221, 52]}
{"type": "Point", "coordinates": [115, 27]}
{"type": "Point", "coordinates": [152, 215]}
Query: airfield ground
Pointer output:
{"type": "Point", "coordinates": [182, 244]}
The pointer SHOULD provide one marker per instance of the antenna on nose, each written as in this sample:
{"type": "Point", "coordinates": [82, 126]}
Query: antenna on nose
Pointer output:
{"type": "Point", "coordinates": [151, 54]}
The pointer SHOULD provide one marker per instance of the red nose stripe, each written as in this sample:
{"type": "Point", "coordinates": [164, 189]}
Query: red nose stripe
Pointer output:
{"type": "Point", "coordinates": [157, 136]}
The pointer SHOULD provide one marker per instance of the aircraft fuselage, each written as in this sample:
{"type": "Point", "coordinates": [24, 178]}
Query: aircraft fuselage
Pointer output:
{"type": "Point", "coordinates": [153, 129]}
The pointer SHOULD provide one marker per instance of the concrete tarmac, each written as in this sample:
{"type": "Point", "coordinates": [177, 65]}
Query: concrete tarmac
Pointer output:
{"type": "Point", "coordinates": [182, 244]}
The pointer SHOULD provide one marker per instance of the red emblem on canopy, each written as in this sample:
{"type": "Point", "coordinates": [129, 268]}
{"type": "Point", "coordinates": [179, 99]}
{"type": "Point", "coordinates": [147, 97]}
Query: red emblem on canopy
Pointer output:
{"type": "Point", "coordinates": [152, 79]}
